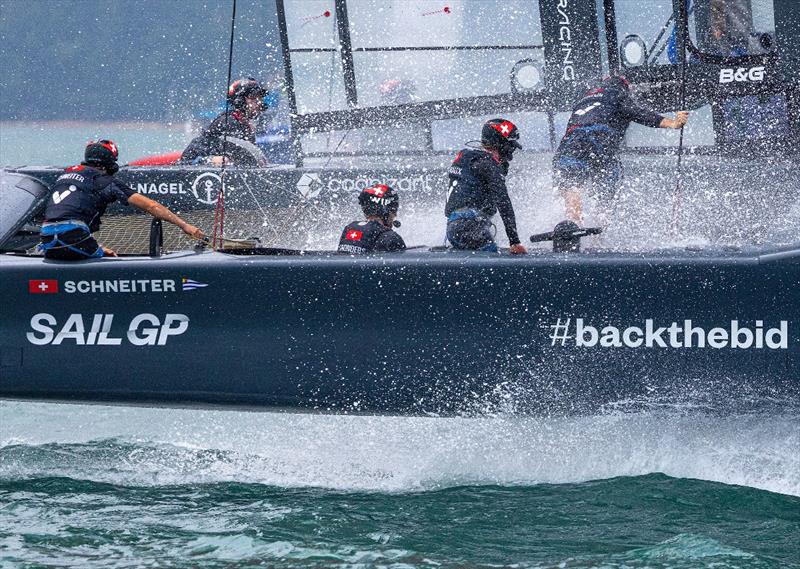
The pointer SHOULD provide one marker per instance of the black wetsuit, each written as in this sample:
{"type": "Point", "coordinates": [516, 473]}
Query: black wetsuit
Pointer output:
{"type": "Point", "coordinates": [361, 237]}
{"type": "Point", "coordinates": [478, 191]}
{"type": "Point", "coordinates": [588, 152]}
{"type": "Point", "coordinates": [79, 199]}
{"type": "Point", "coordinates": [211, 141]}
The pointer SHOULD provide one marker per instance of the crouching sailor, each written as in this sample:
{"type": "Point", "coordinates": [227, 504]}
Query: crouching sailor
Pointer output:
{"type": "Point", "coordinates": [478, 191]}
{"type": "Point", "coordinates": [79, 199]}
{"type": "Point", "coordinates": [380, 204]}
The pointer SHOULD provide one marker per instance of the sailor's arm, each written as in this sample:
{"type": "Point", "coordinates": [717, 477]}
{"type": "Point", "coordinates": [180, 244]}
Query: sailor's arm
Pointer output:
{"type": "Point", "coordinates": [643, 115]}
{"type": "Point", "coordinates": [161, 212]}
{"type": "Point", "coordinates": [496, 183]}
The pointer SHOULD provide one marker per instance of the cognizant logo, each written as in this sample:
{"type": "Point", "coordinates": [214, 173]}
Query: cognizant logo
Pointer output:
{"type": "Point", "coordinates": [673, 336]}
{"type": "Point", "coordinates": [406, 184]}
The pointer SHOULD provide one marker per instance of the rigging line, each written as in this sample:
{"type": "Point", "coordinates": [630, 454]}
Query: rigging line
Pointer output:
{"type": "Point", "coordinates": [332, 72]}
{"type": "Point", "coordinates": [255, 200]}
{"type": "Point", "coordinates": [330, 97]}
{"type": "Point", "coordinates": [227, 110]}
{"type": "Point", "coordinates": [677, 194]}
{"type": "Point", "coordinates": [654, 56]}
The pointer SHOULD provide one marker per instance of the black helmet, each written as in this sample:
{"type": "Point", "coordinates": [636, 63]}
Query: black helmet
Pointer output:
{"type": "Point", "coordinates": [379, 200]}
{"type": "Point", "coordinates": [618, 81]}
{"type": "Point", "coordinates": [241, 89]}
{"type": "Point", "coordinates": [102, 153]}
{"type": "Point", "coordinates": [502, 135]}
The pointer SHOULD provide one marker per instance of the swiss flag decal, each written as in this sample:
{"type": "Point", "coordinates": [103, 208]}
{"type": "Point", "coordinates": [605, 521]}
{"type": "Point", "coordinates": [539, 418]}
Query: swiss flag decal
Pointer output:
{"type": "Point", "coordinates": [504, 128]}
{"type": "Point", "coordinates": [354, 235]}
{"type": "Point", "coordinates": [47, 286]}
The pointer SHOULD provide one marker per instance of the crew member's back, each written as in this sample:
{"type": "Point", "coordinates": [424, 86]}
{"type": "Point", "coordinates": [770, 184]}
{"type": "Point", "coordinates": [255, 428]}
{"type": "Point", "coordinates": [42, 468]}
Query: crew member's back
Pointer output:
{"type": "Point", "coordinates": [380, 204]}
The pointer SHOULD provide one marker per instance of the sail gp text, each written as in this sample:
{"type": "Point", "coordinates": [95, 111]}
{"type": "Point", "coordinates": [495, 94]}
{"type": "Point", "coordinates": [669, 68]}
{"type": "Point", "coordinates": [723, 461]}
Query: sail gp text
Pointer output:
{"type": "Point", "coordinates": [676, 335]}
{"type": "Point", "coordinates": [96, 330]}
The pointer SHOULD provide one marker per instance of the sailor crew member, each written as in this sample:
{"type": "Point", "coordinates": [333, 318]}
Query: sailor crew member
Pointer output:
{"type": "Point", "coordinates": [79, 199]}
{"type": "Point", "coordinates": [587, 156]}
{"type": "Point", "coordinates": [478, 190]}
{"type": "Point", "coordinates": [246, 99]}
{"type": "Point", "coordinates": [374, 235]}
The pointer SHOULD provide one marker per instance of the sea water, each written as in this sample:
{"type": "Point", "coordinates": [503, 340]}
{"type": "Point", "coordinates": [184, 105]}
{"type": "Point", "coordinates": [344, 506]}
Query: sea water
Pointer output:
{"type": "Point", "coordinates": [97, 486]}
{"type": "Point", "coordinates": [62, 143]}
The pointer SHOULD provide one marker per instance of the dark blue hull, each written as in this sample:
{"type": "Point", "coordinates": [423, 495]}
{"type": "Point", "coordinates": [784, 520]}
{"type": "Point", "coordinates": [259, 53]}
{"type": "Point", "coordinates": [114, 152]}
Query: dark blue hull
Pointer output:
{"type": "Point", "coordinates": [410, 333]}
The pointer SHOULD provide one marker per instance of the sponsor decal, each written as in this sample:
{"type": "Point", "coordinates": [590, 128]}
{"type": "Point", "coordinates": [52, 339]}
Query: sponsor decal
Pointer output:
{"type": "Point", "coordinates": [565, 41]}
{"type": "Point", "coordinates": [98, 330]}
{"type": "Point", "coordinates": [76, 177]}
{"type": "Point", "coordinates": [58, 197]}
{"type": "Point", "coordinates": [105, 286]}
{"type": "Point", "coordinates": [421, 183]}
{"type": "Point", "coordinates": [676, 335]}
{"type": "Point", "coordinates": [43, 286]}
{"type": "Point", "coordinates": [173, 188]}
{"type": "Point", "coordinates": [206, 188]}
{"type": "Point", "coordinates": [189, 284]}
{"type": "Point", "coordinates": [309, 185]}
{"type": "Point", "coordinates": [742, 74]}
{"type": "Point", "coordinates": [354, 235]}
{"type": "Point", "coordinates": [119, 285]}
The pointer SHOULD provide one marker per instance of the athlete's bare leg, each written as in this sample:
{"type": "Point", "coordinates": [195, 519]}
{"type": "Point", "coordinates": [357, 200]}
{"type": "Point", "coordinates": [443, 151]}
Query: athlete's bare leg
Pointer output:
{"type": "Point", "coordinates": [573, 204]}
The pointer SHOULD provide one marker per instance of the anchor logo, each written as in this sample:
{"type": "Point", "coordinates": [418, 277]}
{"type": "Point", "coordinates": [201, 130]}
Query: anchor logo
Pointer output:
{"type": "Point", "coordinates": [206, 188]}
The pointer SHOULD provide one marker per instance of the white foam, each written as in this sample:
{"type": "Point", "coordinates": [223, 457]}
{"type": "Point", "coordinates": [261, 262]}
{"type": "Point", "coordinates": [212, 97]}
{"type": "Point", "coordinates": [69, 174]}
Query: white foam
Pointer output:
{"type": "Point", "coordinates": [160, 446]}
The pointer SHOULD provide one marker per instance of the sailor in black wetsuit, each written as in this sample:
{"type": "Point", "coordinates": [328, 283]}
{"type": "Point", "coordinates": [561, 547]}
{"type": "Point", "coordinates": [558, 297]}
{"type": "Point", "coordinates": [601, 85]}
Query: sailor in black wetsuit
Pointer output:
{"type": "Point", "coordinates": [374, 235]}
{"type": "Point", "coordinates": [79, 199]}
{"type": "Point", "coordinates": [587, 155]}
{"type": "Point", "coordinates": [478, 191]}
{"type": "Point", "coordinates": [246, 99]}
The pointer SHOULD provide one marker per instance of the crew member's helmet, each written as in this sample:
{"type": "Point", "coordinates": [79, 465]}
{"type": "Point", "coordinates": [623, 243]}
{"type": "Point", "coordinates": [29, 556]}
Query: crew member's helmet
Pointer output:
{"type": "Point", "coordinates": [379, 200]}
{"type": "Point", "coordinates": [397, 91]}
{"type": "Point", "coordinates": [502, 135]}
{"type": "Point", "coordinates": [241, 89]}
{"type": "Point", "coordinates": [103, 153]}
{"type": "Point", "coordinates": [618, 81]}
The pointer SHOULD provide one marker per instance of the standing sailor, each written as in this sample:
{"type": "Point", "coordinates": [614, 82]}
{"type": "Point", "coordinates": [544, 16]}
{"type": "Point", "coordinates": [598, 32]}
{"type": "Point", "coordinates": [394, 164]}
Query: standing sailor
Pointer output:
{"type": "Point", "coordinates": [587, 156]}
{"type": "Point", "coordinates": [79, 199]}
{"type": "Point", "coordinates": [478, 191]}
{"type": "Point", "coordinates": [380, 204]}
{"type": "Point", "coordinates": [246, 100]}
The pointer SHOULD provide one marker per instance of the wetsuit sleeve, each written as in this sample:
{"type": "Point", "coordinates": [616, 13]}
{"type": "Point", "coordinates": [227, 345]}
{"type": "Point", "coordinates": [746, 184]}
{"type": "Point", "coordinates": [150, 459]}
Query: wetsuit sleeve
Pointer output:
{"type": "Point", "coordinates": [638, 113]}
{"type": "Point", "coordinates": [123, 191]}
{"type": "Point", "coordinates": [207, 143]}
{"type": "Point", "coordinates": [199, 147]}
{"type": "Point", "coordinates": [390, 241]}
{"type": "Point", "coordinates": [492, 176]}
{"type": "Point", "coordinates": [116, 190]}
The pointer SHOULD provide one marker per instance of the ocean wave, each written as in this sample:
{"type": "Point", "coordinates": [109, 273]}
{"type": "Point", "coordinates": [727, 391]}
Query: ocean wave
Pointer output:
{"type": "Point", "coordinates": [136, 446]}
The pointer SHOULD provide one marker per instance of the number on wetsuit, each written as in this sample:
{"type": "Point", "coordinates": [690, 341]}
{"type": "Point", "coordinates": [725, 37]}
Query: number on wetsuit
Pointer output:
{"type": "Point", "coordinates": [585, 110]}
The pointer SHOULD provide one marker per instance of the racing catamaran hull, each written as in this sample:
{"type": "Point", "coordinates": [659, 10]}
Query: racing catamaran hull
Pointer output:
{"type": "Point", "coordinates": [412, 333]}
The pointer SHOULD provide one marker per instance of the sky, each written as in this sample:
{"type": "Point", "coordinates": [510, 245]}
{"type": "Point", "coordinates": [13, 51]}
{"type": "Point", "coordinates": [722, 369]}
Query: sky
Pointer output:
{"type": "Point", "coordinates": [148, 60]}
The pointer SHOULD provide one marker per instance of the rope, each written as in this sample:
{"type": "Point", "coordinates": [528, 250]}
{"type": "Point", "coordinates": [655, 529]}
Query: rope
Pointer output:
{"type": "Point", "coordinates": [219, 212]}
{"type": "Point", "coordinates": [677, 194]}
